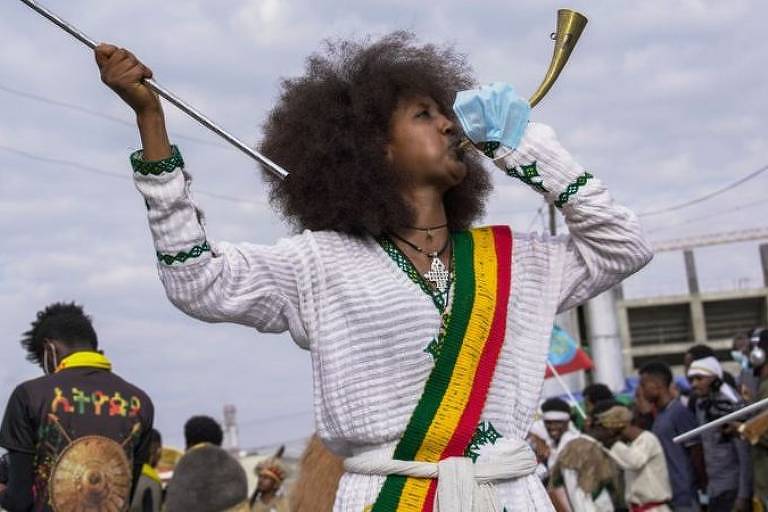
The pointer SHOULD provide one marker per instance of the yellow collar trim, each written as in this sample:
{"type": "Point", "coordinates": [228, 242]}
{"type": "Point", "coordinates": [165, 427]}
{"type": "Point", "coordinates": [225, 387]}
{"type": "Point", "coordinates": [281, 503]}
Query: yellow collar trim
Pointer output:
{"type": "Point", "coordinates": [85, 359]}
{"type": "Point", "coordinates": [150, 472]}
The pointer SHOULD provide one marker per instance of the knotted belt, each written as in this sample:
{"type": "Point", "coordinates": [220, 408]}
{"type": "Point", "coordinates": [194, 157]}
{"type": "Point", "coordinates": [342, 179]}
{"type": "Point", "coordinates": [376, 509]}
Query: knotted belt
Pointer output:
{"type": "Point", "coordinates": [461, 485]}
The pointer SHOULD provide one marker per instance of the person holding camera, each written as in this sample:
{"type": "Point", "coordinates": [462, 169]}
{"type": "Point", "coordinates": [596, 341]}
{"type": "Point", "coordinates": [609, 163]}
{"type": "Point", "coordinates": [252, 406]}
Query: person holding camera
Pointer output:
{"type": "Point", "coordinates": [726, 456]}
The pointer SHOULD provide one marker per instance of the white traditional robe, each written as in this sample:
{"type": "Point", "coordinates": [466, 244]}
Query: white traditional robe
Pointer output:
{"type": "Point", "coordinates": [366, 324]}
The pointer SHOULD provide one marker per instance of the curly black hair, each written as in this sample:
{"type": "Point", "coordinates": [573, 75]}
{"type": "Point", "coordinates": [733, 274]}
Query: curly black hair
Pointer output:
{"type": "Point", "coordinates": [555, 404]}
{"type": "Point", "coordinates": [596, 392]}
{"type": "Point", "coordinates": [658, 369]}
{"type": "Point", "coordinates": [66, 322]}
{"type": "Point", "coordinates": [202, 429]}
{"type": "Point", "coordinates": [330, 127]}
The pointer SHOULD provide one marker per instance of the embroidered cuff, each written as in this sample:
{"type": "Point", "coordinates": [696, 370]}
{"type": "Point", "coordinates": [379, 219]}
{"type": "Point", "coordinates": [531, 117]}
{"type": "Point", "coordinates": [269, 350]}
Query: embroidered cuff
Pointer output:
{"type": "Point", "coordinates": [156, 167]}
{"type": "Point", "coordinates": [182, 256]}
{"type": "Point", "coordinates": [572, 189]}
{"type": "Point", "coordinates": [528, 174]}
{"type": "Point", "coordinates": [542, 163]}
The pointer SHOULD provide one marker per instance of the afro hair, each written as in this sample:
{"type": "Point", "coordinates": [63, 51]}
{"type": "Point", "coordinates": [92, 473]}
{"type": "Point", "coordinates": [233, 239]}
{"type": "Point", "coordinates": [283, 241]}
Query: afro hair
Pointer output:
{"type": "Point", "coordinates": [330, 128]}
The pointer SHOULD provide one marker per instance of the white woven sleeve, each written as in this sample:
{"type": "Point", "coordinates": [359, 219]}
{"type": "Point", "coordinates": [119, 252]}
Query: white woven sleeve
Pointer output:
{"type": "Point", "coordinates": [249, 284]}
{"type": "Point", "coordinates": [606, 243]}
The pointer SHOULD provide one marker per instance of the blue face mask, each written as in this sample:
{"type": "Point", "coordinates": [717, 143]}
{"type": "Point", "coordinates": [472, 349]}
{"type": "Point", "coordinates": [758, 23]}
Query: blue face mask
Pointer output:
{"type": "Point", "coordinates": [492, 113]}
{"type": "Point", "coordinates": [741, 358]}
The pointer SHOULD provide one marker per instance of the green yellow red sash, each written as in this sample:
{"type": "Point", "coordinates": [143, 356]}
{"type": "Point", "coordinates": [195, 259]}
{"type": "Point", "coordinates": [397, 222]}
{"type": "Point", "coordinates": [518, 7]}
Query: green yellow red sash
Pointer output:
{"type": "Point", "coordinates": [444, 420]}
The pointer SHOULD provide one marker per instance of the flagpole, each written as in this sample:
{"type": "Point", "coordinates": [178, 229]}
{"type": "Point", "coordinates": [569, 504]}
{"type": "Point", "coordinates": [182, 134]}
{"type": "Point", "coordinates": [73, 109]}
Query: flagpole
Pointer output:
{"type": "Point", "coordinates": [165, 93]}
{"type": "Point", "coordinates": [566, 389]}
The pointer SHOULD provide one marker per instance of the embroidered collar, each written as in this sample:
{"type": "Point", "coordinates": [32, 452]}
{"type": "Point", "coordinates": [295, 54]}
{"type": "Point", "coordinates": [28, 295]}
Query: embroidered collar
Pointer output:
{"type": "Point", "coordinates": [439, 299]}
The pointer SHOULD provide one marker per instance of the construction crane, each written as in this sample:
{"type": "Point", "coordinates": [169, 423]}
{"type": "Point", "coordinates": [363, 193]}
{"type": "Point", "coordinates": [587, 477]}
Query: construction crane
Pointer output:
{"type": "Point", "coordinates": [728, 237]}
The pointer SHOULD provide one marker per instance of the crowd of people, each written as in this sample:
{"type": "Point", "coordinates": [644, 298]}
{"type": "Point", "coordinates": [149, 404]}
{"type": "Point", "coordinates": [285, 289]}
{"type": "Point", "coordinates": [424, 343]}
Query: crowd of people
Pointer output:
{"type": "Point", "coordinates": [616, 453]}
{"type": "Point", "coordinates": [82, 438]}
{"type": "Point", "coordinates": [429, 336]}
{"type": "Point", "coordinates": [622, 455]}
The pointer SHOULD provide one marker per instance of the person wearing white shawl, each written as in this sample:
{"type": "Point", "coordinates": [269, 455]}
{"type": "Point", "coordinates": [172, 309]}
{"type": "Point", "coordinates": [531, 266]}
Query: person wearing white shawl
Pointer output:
{"type": "Point", "coordinates": [554, 430]}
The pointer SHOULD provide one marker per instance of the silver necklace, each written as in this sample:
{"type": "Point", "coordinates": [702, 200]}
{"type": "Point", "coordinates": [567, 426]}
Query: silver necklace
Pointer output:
{"type": "Point", "coordinates": [438, 275]}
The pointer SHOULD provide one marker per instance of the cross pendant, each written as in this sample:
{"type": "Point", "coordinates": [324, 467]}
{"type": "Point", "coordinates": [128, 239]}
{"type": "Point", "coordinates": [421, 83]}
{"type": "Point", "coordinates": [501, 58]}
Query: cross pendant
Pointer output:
{"type": "Point", "coordinates": [438, 274]}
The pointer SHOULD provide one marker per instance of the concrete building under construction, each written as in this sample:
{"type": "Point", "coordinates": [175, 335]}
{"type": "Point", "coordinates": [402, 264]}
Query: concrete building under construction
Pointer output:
{"type": "Point", "coordinates": [664, 327]}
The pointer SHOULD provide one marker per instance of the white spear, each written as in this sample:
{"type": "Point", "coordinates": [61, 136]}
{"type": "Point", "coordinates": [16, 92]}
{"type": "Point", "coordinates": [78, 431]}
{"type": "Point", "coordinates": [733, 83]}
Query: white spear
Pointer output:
{"type": "Point", "coordinates": [719, 421]}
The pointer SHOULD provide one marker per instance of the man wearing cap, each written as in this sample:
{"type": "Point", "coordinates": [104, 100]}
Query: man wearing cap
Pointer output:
{"type": "Point", "coordinates": [268, 496]}
{"type": "Point", "coordinates": [725, 455]}
{"type": "Point", "coordinates": [639, 453]}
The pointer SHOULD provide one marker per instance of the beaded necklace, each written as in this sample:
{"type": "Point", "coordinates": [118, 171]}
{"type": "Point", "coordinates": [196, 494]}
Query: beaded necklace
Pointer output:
{"type": "Point", "coordinates": [438, 275]}
{"type": "Point", "coordinates": [439, 297]}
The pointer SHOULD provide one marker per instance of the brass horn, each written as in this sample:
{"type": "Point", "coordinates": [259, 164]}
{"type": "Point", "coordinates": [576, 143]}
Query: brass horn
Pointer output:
{"type": "Point", "coordinates": [570, 25]}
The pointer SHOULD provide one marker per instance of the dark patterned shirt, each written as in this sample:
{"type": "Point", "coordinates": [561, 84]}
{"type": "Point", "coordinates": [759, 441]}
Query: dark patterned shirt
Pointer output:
{"type": "Point", "coordinates": [45, 415]}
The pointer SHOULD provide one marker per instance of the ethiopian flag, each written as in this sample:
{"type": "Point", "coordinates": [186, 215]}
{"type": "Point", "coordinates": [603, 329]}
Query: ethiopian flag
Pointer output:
{"type": "Point", "coordinates": [565, 354]}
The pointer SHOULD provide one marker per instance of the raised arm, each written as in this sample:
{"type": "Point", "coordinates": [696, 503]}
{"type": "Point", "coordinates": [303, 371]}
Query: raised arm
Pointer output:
{"type": "Point", "coordinates": [605, 243]}
{"type": "Point", "coordinates": [245, 283]}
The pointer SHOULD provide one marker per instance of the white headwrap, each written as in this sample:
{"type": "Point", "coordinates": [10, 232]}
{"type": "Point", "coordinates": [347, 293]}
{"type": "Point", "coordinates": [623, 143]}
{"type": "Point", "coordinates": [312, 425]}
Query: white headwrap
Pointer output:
{"type": "Point", "coordinates": [710, 367]}
{"type": "Point", "coordinates": [556, 416]}
{"type": "Point", "coordinates": [706, 367]}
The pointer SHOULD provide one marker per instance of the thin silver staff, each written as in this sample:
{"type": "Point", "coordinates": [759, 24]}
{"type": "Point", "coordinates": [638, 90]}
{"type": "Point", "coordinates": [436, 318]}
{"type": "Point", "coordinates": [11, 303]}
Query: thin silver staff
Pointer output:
{"type": "Point", "coordinates": [719, 421]}
{"type": "Point", "coordinates": [168, 95]}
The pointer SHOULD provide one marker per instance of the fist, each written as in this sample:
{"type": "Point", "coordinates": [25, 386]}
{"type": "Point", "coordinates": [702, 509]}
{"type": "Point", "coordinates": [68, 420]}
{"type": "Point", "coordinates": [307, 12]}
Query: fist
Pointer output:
{"type": "Point", "coordinates": [124, 74]}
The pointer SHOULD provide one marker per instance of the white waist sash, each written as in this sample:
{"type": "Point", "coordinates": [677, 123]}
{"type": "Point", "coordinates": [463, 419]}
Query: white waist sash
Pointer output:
{"type": "Point", "coordinates": [461, 485]}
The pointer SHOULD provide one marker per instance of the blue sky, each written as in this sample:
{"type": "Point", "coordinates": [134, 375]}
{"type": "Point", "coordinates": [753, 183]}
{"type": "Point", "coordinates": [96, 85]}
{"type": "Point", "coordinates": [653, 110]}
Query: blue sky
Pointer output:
{"type": "Point", "coordinates": [663, 100]}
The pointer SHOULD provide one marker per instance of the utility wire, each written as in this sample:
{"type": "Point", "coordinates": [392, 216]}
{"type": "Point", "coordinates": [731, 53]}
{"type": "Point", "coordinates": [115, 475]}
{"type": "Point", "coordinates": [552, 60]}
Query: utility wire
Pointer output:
{"type": "Point", "coordinates": [93, 170]}
{"type": "Point", "coordinates": [536, 215]}
{"type": "Point", "coordinates": [705, 197]}
{"type": "Point", "coordinates": [114, 119]}
{"type": "Point", "coordinates": [279, 417]}
{"type": "Point", "coordinates": [289, 442]}
{"type": "Point", "coordinates": [719, 213]}
{"type": "Point", "coordinates": [96, 113]}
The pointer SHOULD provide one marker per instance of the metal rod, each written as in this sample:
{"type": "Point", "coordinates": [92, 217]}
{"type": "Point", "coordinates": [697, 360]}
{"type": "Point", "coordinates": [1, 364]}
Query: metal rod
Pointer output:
{"type": "Point", "coordinates": [719, 421]}
{"type": "Point", "coordinates": [168, 95]}
{"type": "Point", "coordinates": [565, 388]}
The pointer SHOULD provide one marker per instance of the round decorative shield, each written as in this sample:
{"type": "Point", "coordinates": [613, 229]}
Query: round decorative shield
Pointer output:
{"type": "Point", "coordinates": [91, 475]}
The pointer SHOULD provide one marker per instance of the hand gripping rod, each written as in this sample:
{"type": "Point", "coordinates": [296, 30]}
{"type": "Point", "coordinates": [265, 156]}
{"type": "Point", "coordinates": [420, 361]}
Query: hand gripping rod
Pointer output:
{"type": "Point", "coordinates": [724, 419]}
{"type": "Point", "coordinates": [168, 95]}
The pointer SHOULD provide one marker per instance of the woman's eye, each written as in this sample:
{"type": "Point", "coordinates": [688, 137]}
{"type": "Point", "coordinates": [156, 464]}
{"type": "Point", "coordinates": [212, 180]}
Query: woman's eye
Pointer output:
{"type": "Point", "coordinates": [423, 113]}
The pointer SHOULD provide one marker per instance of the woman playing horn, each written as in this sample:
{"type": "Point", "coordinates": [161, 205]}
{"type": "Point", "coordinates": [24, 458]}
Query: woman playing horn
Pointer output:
{"type": "Point", "coordinates": [428, 337]}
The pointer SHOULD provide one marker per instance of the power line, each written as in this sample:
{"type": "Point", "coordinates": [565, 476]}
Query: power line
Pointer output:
{"type": "Point", "coordinates": [95, 113]}
{"type": "Point", "coordinates": [279, 417]}
{"type": "Point", "coordinates": [536, 215]}
{"type": "Point", "coordinates": [705, 197]}
{"type": "Point", "coordinates": [93, 170]}
{"type": "Point", "coordinates": [719, 213]}
{"type": "Point", "coordinates": [114, 119]}
{"type": "Point", "coordinates": [296, 440]}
